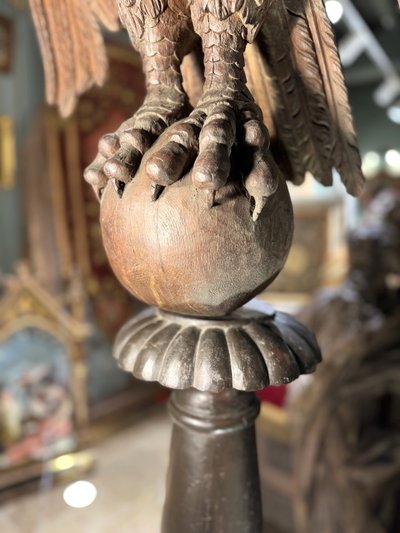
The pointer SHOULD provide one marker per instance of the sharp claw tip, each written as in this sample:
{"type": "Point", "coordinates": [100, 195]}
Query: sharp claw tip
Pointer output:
{"type": "Point", "coordinates": [210, 199]}
{"type": "Point", "coordinates": [119, 186]}
{"type": "Point", "coordinates": [257, 207]}
{"type": "Point", "coordinates": [99, 193]}
{"type": "Point", "coordinates": [156, 191]}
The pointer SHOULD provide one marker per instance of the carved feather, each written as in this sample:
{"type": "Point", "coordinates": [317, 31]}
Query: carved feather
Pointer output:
{"type": "Point", "coordinates": [301, 117]}
{"type": "Point", "coordinates": [275, 91]}
{"type": "Point", "coordinates": [316, 144]}
{"type": "Point", "coordinates": [72, 46]}
{"type": "Point", "coordinates": [140, 15]}
{"type": "Point", "coordinates": [250, 13]}
{"type": "Point", "coordinates": [309, 110]}
{"type": "Point", "coordinates": [346, 156]}
{"type": "Point", "coordinates": [106, 12]}
{"type": "Point", "coordinates": [267, 93]}
{"type": "Point", "coordinates": [43, 34]}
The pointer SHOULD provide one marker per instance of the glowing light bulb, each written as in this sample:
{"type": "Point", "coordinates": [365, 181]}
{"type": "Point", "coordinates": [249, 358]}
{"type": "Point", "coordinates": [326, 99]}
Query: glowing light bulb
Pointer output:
{"type": "Point", "coordinates": [371, 163]}
{"type": "Point", "coordinates": [393, 113]}
{"type": "Point", "coordinates": [334, 10]}
{"type": "Point", "coordinates": [80, 494]}
{"type": "Point", "coordinates": [392, 158]}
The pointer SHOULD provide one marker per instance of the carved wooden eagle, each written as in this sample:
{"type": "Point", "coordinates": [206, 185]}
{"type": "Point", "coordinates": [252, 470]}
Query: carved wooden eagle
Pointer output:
{"type": "Point", "coordinates": [292, 69]}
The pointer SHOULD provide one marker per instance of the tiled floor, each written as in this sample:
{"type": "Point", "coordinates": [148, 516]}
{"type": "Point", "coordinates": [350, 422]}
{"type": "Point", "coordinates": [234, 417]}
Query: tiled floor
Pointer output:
{"type": "Point", "coordinates": [129, 478]}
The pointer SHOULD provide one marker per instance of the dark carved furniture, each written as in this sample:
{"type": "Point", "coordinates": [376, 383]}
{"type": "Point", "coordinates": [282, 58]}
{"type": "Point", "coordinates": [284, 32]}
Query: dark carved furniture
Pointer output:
{"type": "Point", "coordinates": [347, 438]}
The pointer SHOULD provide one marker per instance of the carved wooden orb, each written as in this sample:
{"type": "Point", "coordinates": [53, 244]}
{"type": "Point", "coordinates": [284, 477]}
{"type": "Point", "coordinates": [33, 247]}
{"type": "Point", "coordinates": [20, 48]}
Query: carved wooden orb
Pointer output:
{"type": "Point", "coordinates": [182, 256]}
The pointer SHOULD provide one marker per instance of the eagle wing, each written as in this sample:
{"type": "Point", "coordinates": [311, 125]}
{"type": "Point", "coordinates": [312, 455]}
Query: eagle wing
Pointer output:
{"type": "Point", "coordinates": [72, 45]}
{"type": "Point", "coordinates": [295, 74]}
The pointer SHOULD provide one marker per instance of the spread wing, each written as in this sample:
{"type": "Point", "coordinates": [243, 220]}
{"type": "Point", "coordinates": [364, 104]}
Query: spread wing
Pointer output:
{"type": "Point", "coordinates": [72, 45]}
{"type": "Point", "coordinates": [295, 74]}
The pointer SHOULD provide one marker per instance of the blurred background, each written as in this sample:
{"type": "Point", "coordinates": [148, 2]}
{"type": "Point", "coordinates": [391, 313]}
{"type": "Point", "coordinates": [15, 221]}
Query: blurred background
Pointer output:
{"type": "Point", "coordinates": [84, 445]}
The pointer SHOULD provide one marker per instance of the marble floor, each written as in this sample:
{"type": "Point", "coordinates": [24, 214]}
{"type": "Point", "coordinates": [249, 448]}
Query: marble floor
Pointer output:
{"type": "Point", "coordinates": [129, 477]}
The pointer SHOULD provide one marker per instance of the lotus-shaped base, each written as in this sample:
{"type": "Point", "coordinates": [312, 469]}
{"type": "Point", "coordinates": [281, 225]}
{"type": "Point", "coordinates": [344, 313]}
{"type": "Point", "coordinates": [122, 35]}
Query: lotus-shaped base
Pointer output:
{"type": "Point", "coordinates": [246, 351]}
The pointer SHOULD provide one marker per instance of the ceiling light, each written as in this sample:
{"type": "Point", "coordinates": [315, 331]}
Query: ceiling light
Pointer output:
{"type": "Point", "coordinates": [387, 91]}
{"type": "Point", "coordinates": [392, 158]}
{"type": "Point", "coordinates": [334, 10]}
{"type": "Point", "coordinates": [371, 163]}
{"type": "Point", "coordinates": [393, 113]}
{"type": "Point", "coordinates": [80, 494]}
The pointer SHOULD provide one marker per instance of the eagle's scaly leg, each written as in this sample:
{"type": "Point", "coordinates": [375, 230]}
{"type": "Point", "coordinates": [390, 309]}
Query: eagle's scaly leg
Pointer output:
{"type": "Point", "coordinates": [226, 116]}
{"type": "Point", "coordinates": [162, 41]}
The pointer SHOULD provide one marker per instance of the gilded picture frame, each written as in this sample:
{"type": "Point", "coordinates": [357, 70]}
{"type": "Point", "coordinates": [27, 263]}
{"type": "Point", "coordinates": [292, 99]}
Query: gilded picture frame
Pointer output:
{"type": "Point", "coordinates": [7, 153]}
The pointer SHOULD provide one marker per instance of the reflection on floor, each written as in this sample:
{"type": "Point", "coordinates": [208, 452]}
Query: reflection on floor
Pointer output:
{"type": "Point", "coordinates": [129, 477]}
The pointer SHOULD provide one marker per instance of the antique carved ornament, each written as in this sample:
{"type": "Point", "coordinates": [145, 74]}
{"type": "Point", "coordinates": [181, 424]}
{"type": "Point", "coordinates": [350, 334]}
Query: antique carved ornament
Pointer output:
{"type": "Point", "coordinates": [195, 212]}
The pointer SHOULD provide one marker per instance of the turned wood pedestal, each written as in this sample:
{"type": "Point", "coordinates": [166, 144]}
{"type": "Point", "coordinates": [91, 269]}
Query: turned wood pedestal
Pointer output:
{"type": "Point", "coordinates": [213, 482]}
{"type": "Point", "coordinates": [215, 365]}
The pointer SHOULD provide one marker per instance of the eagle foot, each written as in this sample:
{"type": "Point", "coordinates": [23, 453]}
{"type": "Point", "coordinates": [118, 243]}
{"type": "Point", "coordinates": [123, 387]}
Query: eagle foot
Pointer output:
{"type": "Point", "coordinates": [120, 153]}
{"type": "Point", "coordinates": [204, 143]}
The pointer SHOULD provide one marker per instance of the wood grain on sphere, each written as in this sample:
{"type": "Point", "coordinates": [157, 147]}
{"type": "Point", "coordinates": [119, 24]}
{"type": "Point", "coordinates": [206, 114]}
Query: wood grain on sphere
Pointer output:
{"type": "Point", "coordinates": [182, 256]}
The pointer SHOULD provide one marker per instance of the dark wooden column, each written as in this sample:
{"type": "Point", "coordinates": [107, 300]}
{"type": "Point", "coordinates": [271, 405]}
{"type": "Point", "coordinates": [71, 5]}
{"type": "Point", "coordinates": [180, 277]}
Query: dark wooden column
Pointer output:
{"type": "Point", "coordinates": [213, 482]}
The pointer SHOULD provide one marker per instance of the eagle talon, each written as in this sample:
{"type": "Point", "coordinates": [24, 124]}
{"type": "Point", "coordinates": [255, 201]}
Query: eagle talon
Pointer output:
{"type": "Point", "coordinates": [210, 199]}
{"type": "Point", "coordinates": [119, 186]}
{"type": "Point", "coordinates": [120, 153]}
{"type": "Point", "coordinates": [156, 191]}
{"type": "Point", "coordinates": [257, 206]}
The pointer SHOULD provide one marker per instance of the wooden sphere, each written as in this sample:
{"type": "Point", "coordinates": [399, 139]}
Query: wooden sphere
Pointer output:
{"type": "Point", "coordinates": [180, 255]}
